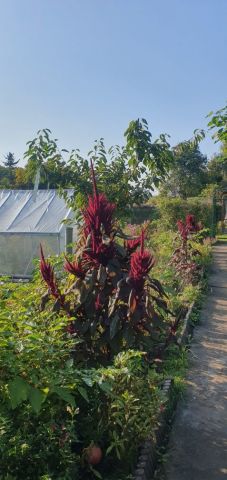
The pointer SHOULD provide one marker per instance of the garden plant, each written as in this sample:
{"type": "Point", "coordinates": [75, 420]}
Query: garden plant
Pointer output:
{"type": "Point", "coordinates": [81, 369]}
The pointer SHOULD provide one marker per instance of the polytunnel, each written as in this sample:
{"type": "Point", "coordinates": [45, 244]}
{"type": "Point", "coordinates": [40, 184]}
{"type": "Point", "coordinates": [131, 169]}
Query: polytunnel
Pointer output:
{"type": "Point", "coordinates": [29, 218]}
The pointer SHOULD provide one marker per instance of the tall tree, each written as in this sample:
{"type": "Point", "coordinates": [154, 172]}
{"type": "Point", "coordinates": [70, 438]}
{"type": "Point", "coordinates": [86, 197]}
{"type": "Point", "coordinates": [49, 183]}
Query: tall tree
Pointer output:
{"type": "Point", "coordinates": [44, 154]}
{"type": "Point", "coordinates": [217, 166]}
{"type": "Point", "coordinates": [20, 181]}
{"type": "Point", "coordinates": [146, 156]}
{"type": "Point", "coordinates": [10, 160]}
{"type": "Point", "coordinates": [128, 174]}
{"type": "Point", "coordinates": [189, 172]}
{"type": "Point", "coordinates": [10, 164]}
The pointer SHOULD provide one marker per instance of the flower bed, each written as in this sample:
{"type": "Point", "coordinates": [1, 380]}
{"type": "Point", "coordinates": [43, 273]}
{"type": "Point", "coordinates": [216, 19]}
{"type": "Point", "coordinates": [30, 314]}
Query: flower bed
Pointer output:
{"type": "Point", "coordinates": [81, 373]}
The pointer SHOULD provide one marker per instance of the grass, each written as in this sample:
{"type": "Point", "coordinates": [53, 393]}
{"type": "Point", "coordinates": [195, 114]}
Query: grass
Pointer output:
{"type": "Point", "coordinates": [222, 237]}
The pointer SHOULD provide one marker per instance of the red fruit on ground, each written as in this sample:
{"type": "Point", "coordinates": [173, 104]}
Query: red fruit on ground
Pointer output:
{"type": "Point", "coordinates": [94, 455]}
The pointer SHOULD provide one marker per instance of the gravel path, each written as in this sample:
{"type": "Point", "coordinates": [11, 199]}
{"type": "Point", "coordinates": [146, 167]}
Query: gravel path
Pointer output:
{"type": "Point", "coordinates": [198, 442]}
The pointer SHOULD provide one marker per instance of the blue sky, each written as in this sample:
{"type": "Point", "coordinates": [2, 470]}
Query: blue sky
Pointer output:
{"type": "Point", "coordinates": [85, 68]}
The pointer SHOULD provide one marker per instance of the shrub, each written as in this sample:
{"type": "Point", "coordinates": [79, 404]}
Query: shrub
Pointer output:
{"type": "Point", "coordinates": [52, 408]}
{"type": "Point", "coordinates": [113, 301]}
{"type": "Point", "coordinates": [173, 209]}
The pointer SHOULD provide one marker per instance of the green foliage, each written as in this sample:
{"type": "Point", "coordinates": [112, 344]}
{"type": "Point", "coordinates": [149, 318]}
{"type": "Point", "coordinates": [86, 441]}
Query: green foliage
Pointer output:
{"type": "Point", "coordinates": [188, 174]}
{"type": "Point", "coordinates": [52, 408]}
{"type": "Point", "coordinates": [218, 122]}
{"type": "Point", "coordinates": [209, 191]}
{"type": "Point", "coordinates": [126, 175]}
{"type": "Point", "coordinates": [173, 209]}
{"type": "Point", "coordinates": [4, 177]}
{"type": "Point", "coordinates": [142, 153]}
{"type": "Point", "coordinates": [44, 155]}
{"type": "Point", "coordinates": [114, 177]}
{"type": "Point", "coordinates": [7, 173]}
{"type": "Point", "coordinates": [35, 388]}
{"type": "Point", "coordinates": [10, 161]}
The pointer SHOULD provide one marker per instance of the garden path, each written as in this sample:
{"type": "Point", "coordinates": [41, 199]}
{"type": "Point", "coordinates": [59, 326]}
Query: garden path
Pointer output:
{"type": "Point", "coordinates": [198, 442]}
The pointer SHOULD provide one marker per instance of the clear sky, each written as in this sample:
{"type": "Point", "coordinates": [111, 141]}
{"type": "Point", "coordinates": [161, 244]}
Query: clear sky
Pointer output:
{"type": "Point", "coordinates": [85, 68]}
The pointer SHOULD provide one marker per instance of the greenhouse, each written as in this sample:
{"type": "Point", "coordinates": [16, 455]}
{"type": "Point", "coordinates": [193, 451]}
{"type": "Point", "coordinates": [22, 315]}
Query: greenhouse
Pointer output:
{"type": "Point", "coordinates": [29, 218]}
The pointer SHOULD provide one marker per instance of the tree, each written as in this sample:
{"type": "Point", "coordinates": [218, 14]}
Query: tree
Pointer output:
{"type": "Point", "coordinates": [218, 121]}
{"type": "Point", "coordinates": [20, 181]}
{"type": "Point", "coordinates": [44, 154]}
{"type": "Point", "coordinates": [121, 183]}
{"type": "Point", "coordinates": [10, 160]}
{"type": "Point", "coordinates": [189, 173]}
{"type": "Point", "coordinates": [10, 163]}
{"type": "Point", "coordinates": [146, 156]}
{"type": "Point", "coordinates": [215, 169]}
{"type": "Point", "coordinates": [127, 174]}
{"type": "Point", "coordinates": [217, 166]}
{"type": "Point", "coordinates": [4, 177]}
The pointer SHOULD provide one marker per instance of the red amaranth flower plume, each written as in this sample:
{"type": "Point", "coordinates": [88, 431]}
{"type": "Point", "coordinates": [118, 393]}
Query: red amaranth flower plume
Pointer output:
{"type": "Point", "coordinates": [141, 263]}
{"type": "Point", "coordinates": [75, 268]}
{"type": "Point", "coordinates": [99, 253]}
{"type": "Point", "coordinates": [48, 276]}
{"type": "Point", "coordinates": [182, 229]}
{"type": "Point", "coordinates": [98, 304]}
{"type": "Point", "coordinates": [98, 215]}
{"type": "Point", "coordinates": [131, 245]}
{"type": "Point", "coordinates": [98, 219]}
{"type": "Point", "coordinates": [191, 224]}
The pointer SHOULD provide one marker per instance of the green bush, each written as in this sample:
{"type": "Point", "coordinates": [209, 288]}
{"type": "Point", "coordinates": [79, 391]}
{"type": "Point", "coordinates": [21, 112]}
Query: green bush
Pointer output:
{"type": "Point", "coordinates": [52, 407]}
{"type": "Point", "coordinates": [173, 209]}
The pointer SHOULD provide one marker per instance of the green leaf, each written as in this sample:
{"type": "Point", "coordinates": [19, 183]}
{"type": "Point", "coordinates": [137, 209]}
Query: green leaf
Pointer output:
{"type": "Point", "coordinates": [114, 325]}
{"type": "Point", "coordinates": [96, 473]}
{"type": "Point", "coordinates": [89, 382]}
{"type": "Point", "coordinates": [69, 363]}
{"type": "Point", "coordinates": [18, 389]}
{"type": "Point", "coordinates": [65, 395]}
{"type": "Point", "coordinates": [83, 393]}
{"type": "Point", "coordinates": [105, 387]}
{"type": "Point", "coordinates": [129, 335]}
{"type": "Point", "coordinates": [36, 398]}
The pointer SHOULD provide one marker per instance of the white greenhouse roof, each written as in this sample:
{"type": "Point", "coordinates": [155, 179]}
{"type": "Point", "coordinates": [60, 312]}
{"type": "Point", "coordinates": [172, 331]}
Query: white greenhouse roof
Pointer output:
{"type": "Point", "coordinates": [27, 211]}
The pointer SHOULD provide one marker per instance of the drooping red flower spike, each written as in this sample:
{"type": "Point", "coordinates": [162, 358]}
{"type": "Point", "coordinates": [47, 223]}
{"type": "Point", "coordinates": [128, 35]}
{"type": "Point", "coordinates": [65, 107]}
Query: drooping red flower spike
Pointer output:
{"type": "Point", "coordinates": [132, 245]}
{"type": "Point", "coordinates": [98, 304]}
{"type": "Point", "coordinates": [191, 224]}
{"type": "Point", "coordinates": [48, 275]}
{"type": "Point", "coordinates": [141, 263]}
{"type": "Point", "coordinates": [75, 268]}
{"type": "Point", "coordinates": [182, 229]}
